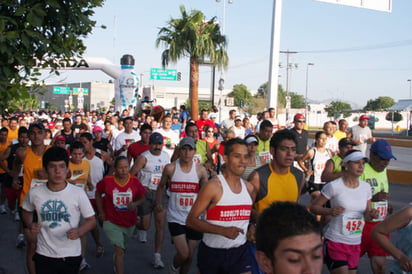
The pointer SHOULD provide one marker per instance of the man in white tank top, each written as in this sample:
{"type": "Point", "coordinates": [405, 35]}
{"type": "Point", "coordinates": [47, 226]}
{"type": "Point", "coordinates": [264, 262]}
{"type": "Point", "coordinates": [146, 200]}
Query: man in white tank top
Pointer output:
{"type": "Point", "coordinates": [227, 201]}
{"type": "Point", "coordinates": [184, 178]}
{"type": "Point", "coordinates": [149, 167]}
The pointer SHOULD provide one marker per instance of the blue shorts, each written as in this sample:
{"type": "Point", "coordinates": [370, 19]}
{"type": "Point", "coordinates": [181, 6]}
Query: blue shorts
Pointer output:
{"type": "Point", "coordinates": [218, 260]}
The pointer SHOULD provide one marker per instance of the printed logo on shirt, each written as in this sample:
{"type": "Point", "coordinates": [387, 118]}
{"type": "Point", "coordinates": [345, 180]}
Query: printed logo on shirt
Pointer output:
{"type": "Point", "coordinates": [55, 212]}
{"type": "Point", "coordinates": [158, 169]}
{"type": "Point", "coordinates": [229, 213]}
{"type": "Point", "coordinates": [184, 187]}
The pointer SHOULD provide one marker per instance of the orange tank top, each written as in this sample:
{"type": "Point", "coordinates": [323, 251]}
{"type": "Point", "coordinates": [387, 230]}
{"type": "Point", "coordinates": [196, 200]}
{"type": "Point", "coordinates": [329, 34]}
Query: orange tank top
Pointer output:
{"type": "Point", "coordinates": [32, 166]}
{"type": "Point", "coordinates": [3, 147]}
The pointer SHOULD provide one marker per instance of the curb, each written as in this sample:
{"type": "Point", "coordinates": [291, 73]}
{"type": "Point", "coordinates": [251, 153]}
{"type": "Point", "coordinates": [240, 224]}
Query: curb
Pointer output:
{"type": "Point", "coordinates": [400, 176]}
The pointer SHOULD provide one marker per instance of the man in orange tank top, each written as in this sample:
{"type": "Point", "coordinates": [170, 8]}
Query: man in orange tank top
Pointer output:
{"type": "Point", "coordinates": [33, 175]}
{"type": "Point", "coordinates": [3, 169]}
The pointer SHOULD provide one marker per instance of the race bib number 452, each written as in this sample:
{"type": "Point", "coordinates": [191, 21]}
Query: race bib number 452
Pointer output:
{"type": "Point", "coordinates": [352, 226]}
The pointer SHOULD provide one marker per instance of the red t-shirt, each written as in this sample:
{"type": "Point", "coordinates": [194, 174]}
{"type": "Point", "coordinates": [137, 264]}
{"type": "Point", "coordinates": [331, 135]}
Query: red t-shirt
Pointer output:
{"type": "Point", "coordinates": [118, 197]}
{"type": "Point", "coordinates": [136, 149]}
{"type": "Point", "coordinates": [201, 125]}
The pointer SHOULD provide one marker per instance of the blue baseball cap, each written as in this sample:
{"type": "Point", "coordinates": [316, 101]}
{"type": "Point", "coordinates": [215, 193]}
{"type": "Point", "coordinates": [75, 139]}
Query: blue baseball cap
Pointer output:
{"type": "Point", "coordinates": [156, 138]}
{"type": "Point", "coordinates": [383, 149]}
{"type": "Point", "coordinates": [37, 124]}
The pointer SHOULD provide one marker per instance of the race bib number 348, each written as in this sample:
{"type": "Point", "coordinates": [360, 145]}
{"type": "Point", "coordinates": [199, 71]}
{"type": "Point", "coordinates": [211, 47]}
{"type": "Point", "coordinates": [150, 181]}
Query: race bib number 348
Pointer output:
{"type": "Point", "coordinates": [121, 200]}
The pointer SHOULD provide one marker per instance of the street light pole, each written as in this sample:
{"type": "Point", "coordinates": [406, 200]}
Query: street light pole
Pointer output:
{"type": "Point", "coordinates": [222, 79]}
{"type": "Point", "coordinates": [410, 83]}
{"type": "Point", "coordinates": [306, 93]}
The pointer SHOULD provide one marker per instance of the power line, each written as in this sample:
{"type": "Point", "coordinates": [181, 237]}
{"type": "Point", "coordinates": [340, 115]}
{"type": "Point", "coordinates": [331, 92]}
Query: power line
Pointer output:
{"type": "Point", "coordinates": [360, 48]}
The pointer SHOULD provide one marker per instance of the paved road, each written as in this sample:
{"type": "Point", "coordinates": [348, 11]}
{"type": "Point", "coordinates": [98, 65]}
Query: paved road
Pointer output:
{"type": "Point", "coordinates": [138, 255]}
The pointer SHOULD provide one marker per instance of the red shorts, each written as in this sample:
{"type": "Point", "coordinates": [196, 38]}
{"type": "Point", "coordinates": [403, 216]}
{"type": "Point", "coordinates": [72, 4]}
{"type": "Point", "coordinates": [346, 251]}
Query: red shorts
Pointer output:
{"type": "Point", "coordinates": [12, 195]}
{"type": "Point", "coordinates": [368, 245]}
{"type": "Point", "coordinates": [338, 254]}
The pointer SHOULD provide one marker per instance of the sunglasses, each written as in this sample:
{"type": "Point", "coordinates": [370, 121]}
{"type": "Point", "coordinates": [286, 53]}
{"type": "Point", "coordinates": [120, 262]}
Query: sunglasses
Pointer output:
{"type": "Point", "coordinates": [299, 121]}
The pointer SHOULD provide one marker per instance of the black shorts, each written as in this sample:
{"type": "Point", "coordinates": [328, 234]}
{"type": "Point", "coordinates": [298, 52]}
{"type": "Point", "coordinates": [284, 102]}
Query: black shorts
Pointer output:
{"type": "Point", "coordinates": [312, 187]}
{"type": "Point", "coordinates": [178, 229]}
{"type": "Point", "coordinates": [217, 260]}
{"type": "Point", "coordinates": [47, 265]}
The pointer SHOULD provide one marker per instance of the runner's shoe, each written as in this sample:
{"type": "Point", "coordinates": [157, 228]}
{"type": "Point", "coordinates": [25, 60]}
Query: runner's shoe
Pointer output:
{"type": "Point", "coordinates": [84, 265]}
{"type": "Point", "coordinates": [20, 242]}
{"type": "Point", "coordinates": [157, 261]}
{"type": "Point", "coordinates": [173, 270]}
{"type": "Point", "coordinates": [142, 236]}
{"type": "Point", "coordinates": [3, 209]}
{"type": "Point", "coordinates": [16, 216]}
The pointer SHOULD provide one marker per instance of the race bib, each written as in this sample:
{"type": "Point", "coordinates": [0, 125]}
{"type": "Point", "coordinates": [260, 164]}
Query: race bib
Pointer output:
{"type": "Point", "coordinates": [185, 201]}
{"type": "Point", "coordinates": [121, 200]}
{"type": "Point", "coordinates": [352, 226]}
{"type": "Point", "coordinates": [264, 157]}
{"type": "Point", "coordinates": [154, 181]}
{"type": "Point", "coordinates": [37, 182]}
{"type": "Point", "coordinates": [197, 159]}
{"type": "Point", "coordinates": [382, 208]}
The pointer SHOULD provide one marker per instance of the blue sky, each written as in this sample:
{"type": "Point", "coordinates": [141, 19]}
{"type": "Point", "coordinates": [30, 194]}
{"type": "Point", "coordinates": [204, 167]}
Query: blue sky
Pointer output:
{"type": "Point", "coordinates": [380, 66]}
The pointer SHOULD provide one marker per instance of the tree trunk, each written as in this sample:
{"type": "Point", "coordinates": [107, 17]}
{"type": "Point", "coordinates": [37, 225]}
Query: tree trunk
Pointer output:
{"type": "Point", "coordinates": [194, 88]}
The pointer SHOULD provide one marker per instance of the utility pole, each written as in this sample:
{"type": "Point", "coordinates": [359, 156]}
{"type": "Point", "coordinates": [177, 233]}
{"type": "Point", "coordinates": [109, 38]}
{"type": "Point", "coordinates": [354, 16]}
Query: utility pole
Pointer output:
{"type": "Point", "coordinates": [272, 95]}
{"type": "Point", "coordinates": [287, 52]}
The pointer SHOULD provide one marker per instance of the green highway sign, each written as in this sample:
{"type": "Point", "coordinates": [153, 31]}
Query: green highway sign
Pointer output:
{"type": "Point", "coordinates": [163, 74]}
{"type": "Point", "coordinates": [85, 91]}
{"type": "Point", "coordinates": [61, 90]}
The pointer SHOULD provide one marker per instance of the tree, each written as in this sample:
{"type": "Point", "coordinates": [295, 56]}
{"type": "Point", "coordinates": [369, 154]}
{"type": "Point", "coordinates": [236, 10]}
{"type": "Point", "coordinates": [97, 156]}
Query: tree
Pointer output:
{"type": "Point", "coordinates": [191, 36]}
{"type": "Point", "coordinates": [380, 103]}
{"type": "Point", "coordinates": [296, 100]}
{"type": "Point", "coordinates": [28, 103]}
{"type": "Point", "coordinates": [240, 92]}
{"type": "Point", "coordinates": [336, 107]}
{"type": "Point", "coordinates": [33, 30]}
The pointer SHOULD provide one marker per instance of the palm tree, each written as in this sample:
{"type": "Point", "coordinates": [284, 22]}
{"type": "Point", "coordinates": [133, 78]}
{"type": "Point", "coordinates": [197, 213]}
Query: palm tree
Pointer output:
{"type": "Point", "coordinates": [191, 36]}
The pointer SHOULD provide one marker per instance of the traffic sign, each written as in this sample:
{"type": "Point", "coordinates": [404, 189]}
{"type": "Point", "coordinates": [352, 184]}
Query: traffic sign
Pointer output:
{"type": "Point", "coordinates": [230, 101]}
{"type": "Point", "coordinates": [83, 91]}
{"type": "Point", "coordinates": [61, 90]}
{"type": "Point", "coordinates": [163, 74]}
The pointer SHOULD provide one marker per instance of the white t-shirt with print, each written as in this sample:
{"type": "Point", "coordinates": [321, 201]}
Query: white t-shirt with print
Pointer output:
{"type": "Point", "coordinates": [173, 137]}
{"type": "Point", "coordinates": [58, 212]}
{"type": "Point", "coordinates": [126, 138]}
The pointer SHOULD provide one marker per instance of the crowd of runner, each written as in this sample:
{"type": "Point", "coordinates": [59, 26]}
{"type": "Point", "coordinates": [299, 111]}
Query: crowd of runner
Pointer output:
{"type": "Point", "coordinates": [215, 185]}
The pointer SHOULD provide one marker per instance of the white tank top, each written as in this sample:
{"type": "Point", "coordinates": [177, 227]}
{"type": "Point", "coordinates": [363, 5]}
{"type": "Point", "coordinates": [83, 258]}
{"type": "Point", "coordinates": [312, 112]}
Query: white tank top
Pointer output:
{"type": "Point", "coordinates": [152, 172]}
{"type": "Point", "coordinates": [183, 189]}
{"type": "Point", "coordinates": [231, 210]}
{"type": "Point", "coordinates": [319, 164]}
{"type": "Point", "coordinates": [96, 172]}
